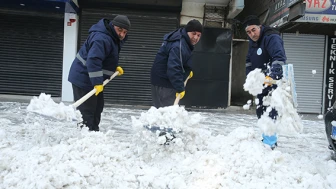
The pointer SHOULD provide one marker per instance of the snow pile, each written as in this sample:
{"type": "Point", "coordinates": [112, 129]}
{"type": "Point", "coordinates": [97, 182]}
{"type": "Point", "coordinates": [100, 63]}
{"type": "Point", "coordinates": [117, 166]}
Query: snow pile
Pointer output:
{"type": "Point", "coordinates": [254, 82]}
{"type": "Point", "coordinates": [42, 153]}
{"type": "Point", "coordinates": [288, 121]}
{"type": "Point", "coordinates": [98, 160]}
{"type": "Point", "coordinates": [247, 105]}
{"type": "Point", "coordinates": [174, 117]}
{"type": "Point", "coordinates": [46, 106]}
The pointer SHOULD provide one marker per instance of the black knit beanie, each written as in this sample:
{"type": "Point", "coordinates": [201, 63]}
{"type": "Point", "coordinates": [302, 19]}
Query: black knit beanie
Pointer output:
{"type": "Point", "coordinates": [251, 20]}
{"type": "Point", "coordinates": [122, 21]}
{"type": "Point", "coordinates": [194, 25]}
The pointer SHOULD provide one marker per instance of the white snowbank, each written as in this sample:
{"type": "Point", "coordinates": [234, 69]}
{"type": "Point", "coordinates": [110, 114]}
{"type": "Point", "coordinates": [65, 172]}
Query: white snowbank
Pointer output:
{"type": "Point", "coordinates": [42, 153]}
{"type": "Point", "coordinates": [45, 105]}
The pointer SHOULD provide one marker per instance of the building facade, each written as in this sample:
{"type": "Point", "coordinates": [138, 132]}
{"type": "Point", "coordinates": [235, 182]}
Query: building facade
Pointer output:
{"type": "Point", "coordinates": [41, 39]}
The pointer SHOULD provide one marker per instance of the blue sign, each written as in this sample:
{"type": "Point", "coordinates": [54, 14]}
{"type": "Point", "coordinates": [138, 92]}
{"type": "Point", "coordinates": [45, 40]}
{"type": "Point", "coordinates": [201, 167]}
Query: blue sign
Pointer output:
{"type": "Point", "coordinates": [320, 11]}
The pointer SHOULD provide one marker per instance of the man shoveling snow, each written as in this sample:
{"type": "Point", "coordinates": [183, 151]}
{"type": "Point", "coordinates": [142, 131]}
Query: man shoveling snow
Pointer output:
{"type": "Point", "coordinates": [267, 55]}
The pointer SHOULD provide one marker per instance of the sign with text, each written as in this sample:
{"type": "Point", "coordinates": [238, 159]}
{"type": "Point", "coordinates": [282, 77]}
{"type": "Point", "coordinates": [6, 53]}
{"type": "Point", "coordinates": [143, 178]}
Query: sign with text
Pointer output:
{"type": "Point", "coordinates": [283, 11]}
{"type": "Point", "coordinates": [278, 13]}
{"type": "Point", "coordinates": [330, 73]}
{"type": "Point", "coordinates": [320, 11]}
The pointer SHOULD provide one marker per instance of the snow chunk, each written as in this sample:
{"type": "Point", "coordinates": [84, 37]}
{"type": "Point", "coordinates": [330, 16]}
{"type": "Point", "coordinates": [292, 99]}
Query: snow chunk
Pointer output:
{"type": "Point", "coordinates": [44, 105]}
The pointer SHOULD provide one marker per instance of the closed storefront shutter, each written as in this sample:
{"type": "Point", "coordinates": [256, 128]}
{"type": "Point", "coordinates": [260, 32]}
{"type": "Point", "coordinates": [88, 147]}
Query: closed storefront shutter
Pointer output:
{"type": "Point", "coordinates": [138, 53]}
{"type": "Point", "coordinates": [31, 53]}
{"type": "Point", "coordinates": [306, 53]}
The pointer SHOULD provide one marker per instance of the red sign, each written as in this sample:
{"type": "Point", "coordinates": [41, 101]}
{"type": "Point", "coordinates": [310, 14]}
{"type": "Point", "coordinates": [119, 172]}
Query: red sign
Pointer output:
{"type": "Point", "coordinates": [317, 5]}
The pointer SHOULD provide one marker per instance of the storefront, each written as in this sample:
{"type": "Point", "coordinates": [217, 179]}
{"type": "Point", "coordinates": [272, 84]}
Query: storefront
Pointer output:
{"type": "Point", "coordinates": [307, 42]}
{"type": "Point", "coordinates": [41, 39]}
{"type": "Point", "coordinates": [137, 55]}
{"type": "Point", "coordinates": [31, 50]}
{"type": "Point", "coordinates": [324, 14]}
{"type": "Point", "coordinates": [306, 53]}
{"type": "Point", "coordinates": [149, 24]}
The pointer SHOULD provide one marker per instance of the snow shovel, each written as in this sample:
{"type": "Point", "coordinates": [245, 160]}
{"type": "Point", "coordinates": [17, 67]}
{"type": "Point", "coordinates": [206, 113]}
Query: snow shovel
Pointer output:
{"type": "Point", "coordinates": [168, 133]}
{"type": "Point", "coordinates": [93, 91]}
{"type": "Point", "coordinates": [164, 131]}
{"type": "Point", "coordinates": [60, 111]}
{"type": "Point", "coordinates": [178, 98]}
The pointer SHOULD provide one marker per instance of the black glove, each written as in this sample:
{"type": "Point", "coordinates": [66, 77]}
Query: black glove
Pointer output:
{"type": "Point", "coordinates": [276, 72]}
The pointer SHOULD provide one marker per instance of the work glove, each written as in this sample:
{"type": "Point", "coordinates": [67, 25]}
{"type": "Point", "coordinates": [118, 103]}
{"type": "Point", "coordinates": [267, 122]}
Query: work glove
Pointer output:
{"type": "Point", "coordinates": [99, 88]}
{"type": "Point", "coordinates": [268, 81]}
{"type": "Point", "coordinates": [276, 71]}
{"type": "Point", "coordinates": [181, 94]}
{"type": "Point", "coordinates": [120, 70]}
{"type": "Point", "coordinates": [191, 74]}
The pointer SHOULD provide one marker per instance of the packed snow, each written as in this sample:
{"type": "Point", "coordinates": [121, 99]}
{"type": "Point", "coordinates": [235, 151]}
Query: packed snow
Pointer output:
{"type": "Point", "coordinates": [288, 121]}
{"type": "Point", "coordinates": [254, 82]}
{"type": "Point", "coordinates": [45, 105]}
{"type": "Point", "coordinates": [214, 150]}
{"type": "Point", "coordinates": [247, 105]}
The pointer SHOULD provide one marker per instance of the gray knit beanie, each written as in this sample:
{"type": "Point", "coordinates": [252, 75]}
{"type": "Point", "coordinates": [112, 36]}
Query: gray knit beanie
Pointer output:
{"type": "Point", "coordinates": [122, 21]}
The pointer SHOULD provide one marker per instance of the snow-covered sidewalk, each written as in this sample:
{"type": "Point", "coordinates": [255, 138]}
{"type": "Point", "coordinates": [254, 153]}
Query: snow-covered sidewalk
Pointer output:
{"type": "Point", "coordinates": [218, 150]}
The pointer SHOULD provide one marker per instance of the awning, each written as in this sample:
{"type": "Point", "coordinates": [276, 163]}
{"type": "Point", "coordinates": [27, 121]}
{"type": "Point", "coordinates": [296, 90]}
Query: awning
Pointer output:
{"type": "Point", "coordinates": [68, 6]}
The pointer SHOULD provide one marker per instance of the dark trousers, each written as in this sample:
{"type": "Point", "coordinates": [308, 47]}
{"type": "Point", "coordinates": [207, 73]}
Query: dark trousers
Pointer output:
{"type": "Point", "coordinates": [162, 96]}
{"type": "Point", "coordinates": [261, 109]}
{"type": "Point", "coordinates": [91, 109]}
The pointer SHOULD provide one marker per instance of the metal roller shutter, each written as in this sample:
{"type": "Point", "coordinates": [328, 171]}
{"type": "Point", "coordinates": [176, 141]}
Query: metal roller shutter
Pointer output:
{"type": "Point", "coordinates": [31, 54]}
{"type": "Point", "coordinates": [306, 53]}
{"type": "Point", "coordinates": [137, 55]}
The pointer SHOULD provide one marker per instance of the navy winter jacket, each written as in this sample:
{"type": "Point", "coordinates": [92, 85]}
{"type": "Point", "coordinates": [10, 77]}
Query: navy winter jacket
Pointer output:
{"type": "Point", "coordinates": [172, 64]}
{"type": "Point", "coordinates": [267, 53]}
{"type": "Point", "coordinates": [98, 58]}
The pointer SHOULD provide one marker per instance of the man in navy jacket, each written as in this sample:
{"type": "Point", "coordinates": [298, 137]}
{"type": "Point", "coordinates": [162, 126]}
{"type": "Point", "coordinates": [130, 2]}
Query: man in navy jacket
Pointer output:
{"type": "Point", "coordinates": [172, 64]}
{"type": "Point", "coordinates": [266, 51]}
{"type": "Point", "coordinates": [96, 61]}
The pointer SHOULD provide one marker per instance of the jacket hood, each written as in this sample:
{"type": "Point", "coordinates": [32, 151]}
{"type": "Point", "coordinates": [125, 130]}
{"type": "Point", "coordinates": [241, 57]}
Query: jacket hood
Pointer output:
{"type": "Point", "coordinates": [104, 26]}
{"type": "Point", "coordinates": [269, 31]}
{"type": "Point", "coordinates": [266, 31]}
{"type": "Point", "coordinates": [177, 35]}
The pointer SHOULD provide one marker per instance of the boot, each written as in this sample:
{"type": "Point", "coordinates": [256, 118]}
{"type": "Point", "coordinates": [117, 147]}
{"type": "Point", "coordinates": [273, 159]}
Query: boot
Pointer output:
{"type": "Point", "coordinates": [270, 140]}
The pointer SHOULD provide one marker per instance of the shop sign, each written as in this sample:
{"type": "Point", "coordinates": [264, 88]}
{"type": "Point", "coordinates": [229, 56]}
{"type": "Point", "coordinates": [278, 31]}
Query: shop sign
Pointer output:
{"type": "Point", "coordinates": [320, 11]}
{"type": "Point", "coordinates": [278, 13]}
{"type": "Point", "coordinates": [283, 11]}
{"type": "Point", "coordinates": [330, 73]}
